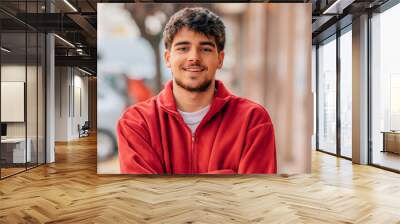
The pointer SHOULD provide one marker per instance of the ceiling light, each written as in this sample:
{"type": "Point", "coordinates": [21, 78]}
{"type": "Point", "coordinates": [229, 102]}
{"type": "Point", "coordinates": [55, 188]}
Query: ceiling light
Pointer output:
{"type": "Point", "coordinates": [5, 49]}
{"type": "Point", "coordinates": [64, 40]}
{"type": "Point", "coordinates": [70, 5]}
{"type": "Point", "coordinates": [84, 71]}
{"type": "Point", "coordinates": [337, 7]}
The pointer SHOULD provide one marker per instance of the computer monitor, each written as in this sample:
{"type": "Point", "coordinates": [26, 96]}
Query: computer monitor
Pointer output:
{"type": "Point", "coordinates": [3, 129]}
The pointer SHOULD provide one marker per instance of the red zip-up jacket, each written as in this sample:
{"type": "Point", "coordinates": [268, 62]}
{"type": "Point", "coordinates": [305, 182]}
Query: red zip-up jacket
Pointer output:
{"type": "Point", "coordinates": [235, 136]}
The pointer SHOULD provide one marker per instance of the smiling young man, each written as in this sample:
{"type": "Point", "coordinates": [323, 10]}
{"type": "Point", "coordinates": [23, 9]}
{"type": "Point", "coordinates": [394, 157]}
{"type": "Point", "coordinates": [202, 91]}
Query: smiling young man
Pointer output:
{"type": "Point", "coordinates": [195, 125]}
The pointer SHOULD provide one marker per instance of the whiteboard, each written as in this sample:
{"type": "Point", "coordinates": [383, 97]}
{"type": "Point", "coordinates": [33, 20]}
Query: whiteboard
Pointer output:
{"type": "Point", "coordinates": [12, 101]}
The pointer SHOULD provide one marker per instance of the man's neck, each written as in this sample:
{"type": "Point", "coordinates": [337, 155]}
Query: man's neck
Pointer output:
{"type": "Point", "coordinates": [192, 101]}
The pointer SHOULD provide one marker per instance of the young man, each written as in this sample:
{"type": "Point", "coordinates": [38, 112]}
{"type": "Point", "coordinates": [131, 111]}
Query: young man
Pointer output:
{"type": "Point", "coordinates": [195, 125]}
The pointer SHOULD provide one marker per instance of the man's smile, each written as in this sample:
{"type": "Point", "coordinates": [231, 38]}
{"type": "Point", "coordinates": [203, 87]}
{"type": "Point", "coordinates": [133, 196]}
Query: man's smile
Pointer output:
{"type": "Point", "coordinates": [194, 68]}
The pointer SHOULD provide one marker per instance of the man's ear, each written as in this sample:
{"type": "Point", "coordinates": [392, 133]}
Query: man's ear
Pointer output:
{"type": "Point", "coordinates": [221, 56]}
{"type": "Point", "coordinates": [167, 55]}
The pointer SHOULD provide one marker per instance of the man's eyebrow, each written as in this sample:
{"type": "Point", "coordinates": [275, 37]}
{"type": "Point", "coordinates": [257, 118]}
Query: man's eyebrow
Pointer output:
{"type": "Point", "coordinates": [182, 43]}
{"type": "Point", "coordinates": [209, 43]}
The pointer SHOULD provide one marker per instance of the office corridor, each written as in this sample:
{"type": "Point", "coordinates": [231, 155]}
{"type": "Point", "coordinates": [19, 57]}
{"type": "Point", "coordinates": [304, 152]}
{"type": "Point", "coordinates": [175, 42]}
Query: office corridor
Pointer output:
{"type": "Point", "coordinates": [70, 191]}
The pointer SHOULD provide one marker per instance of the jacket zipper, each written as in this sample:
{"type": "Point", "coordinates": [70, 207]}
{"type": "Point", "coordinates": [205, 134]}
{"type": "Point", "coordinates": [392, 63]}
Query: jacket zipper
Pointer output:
{"type": "Point", "coordinates": [193, 162]}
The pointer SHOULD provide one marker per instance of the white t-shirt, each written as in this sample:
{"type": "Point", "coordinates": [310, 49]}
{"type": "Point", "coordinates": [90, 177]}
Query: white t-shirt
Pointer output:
{"type": "Point", "coordinates": [193, 119]}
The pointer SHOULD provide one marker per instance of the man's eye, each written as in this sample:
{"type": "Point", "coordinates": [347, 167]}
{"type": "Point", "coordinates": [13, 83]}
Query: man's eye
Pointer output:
{"type": "Point", "coordinates": [182, 49]}
{"type": "Point", "coordinates": [207, 49]}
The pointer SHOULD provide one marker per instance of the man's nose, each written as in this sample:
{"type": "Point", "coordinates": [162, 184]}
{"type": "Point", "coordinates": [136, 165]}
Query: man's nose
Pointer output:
{"type": "Point", "coordinates": [194, 55]}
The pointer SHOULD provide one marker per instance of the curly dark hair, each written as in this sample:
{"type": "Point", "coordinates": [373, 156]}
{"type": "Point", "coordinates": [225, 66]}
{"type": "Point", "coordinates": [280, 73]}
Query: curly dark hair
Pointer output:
{"type": "Point", "coordinates": [198, 19]}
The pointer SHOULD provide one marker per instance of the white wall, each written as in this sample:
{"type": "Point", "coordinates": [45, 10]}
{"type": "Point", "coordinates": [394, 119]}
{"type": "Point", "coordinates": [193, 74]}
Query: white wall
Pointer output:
{"type": "Point", "coordinates": [61, 103]}
{"type": "Point", "coordinates": [13, 73]}
{"type": "Point", "coordinates": [16, 73]}
{"type": "Point", "coordinates": [33, 126]}
{"type": "Point", "coordinates": [71, 94]}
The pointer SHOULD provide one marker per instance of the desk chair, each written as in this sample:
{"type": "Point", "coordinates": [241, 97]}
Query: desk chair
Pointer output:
{"type": "Point", "coordinates": [84, 130]}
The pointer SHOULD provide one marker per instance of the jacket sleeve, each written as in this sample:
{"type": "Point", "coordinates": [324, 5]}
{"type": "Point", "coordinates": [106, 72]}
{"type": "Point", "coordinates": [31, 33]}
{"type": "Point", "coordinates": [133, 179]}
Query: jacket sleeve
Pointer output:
{"type": "Point", "coordinates": [136, 155]}
{"type": "Point", "coordinates": [259, 155]}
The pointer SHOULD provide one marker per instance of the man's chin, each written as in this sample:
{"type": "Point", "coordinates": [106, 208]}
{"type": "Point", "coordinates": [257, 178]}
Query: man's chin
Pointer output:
{"type": "Point", "coordinates": [194, 86]}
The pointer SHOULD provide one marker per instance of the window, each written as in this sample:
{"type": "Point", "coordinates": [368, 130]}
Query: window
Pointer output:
{"type": "Point", "coordinates": [385, 88]}
{"type": "Point", "coordinates": [346, 93]}
{"type": "Point", "coordinates": [327, 96]}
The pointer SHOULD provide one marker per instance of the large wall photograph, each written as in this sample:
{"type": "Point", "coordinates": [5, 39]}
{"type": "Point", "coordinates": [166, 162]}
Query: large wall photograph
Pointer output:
{"type": "Point", "coordinates": [211, 88]}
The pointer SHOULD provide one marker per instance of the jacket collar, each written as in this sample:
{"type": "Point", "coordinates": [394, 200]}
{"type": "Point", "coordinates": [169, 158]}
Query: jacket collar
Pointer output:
{"type": "Point", "coordinates": [167, 102]}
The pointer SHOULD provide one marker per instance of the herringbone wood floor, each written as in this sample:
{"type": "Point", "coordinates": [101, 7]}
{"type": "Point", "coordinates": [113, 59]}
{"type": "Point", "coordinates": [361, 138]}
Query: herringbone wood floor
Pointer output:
{"type": "Point", "coordinates": [70, 191]}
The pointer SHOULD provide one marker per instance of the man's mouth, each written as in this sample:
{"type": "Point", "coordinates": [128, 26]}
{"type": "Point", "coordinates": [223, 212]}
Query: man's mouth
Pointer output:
{"type": "Point", "coordinates": [194, 68]}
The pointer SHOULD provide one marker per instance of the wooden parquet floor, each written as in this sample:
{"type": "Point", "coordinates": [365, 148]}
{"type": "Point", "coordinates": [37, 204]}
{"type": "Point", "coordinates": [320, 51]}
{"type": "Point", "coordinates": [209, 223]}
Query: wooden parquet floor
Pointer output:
{"type": "Point", "coordinates": [70, 191]}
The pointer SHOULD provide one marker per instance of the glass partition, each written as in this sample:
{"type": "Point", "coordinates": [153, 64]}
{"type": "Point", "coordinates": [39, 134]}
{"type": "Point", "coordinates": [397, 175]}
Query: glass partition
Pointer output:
{"type": "Point", "coordinates": [32, 86]}
{"type": "Point", "coordinates": [13, 105]}
{"type": "Point", "coordinates": [32, 95]}
{"type": "Point", "coordinates": [41, 109]}
{"type": "Point", "coordinates": [22, 88]}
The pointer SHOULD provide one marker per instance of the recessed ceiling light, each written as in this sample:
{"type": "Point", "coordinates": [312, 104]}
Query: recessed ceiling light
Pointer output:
{"type": "Point", "coordinates": [70, 5]}
{"type": "Point", "coordinates": [84, 71]}
{"type": "Point", "coordinates": [5, 49]}
{"type": "Point", "coordinates": [338, 6]}
{"type": "Point", "coordinates": [64, 40]}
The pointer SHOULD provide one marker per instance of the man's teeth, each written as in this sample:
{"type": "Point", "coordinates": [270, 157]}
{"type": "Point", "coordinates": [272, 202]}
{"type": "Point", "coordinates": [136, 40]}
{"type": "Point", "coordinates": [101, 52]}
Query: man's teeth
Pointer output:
{"type": "Point", "coordinates": [194, 69]}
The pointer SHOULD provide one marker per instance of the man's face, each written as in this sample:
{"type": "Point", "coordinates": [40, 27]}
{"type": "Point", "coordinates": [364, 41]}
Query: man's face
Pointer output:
{"type": "Point", "coordinates": [193, 60]}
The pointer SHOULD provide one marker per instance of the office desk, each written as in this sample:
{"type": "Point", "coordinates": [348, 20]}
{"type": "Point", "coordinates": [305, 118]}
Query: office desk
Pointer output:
{"type": "Point", "coordinates": [391, 141]}
{"type": "Point", "coordinates": [13, 150]}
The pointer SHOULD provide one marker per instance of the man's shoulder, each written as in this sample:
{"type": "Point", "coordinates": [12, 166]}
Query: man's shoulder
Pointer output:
{"type": "Point", "coordinates": [249, 108]}
{"type": "Point", "coordinates": [141, 109]}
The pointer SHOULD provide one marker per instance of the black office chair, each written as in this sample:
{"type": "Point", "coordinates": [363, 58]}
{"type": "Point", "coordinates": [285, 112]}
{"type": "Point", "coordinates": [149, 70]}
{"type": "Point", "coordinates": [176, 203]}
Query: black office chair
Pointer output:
{"type": "Point", "coordinates": [84, 130]}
